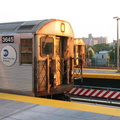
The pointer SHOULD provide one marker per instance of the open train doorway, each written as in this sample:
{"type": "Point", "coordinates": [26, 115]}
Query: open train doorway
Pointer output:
{"type": "Point", "coordinates": [62, 60]}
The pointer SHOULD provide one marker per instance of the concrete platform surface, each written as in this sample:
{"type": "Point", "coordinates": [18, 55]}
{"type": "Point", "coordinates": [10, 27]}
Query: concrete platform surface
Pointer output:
{"type": "Point", "coordinates": [15, 107]}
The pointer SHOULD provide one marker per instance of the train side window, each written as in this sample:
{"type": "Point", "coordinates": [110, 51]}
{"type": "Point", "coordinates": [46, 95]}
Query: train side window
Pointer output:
{"type": "Point", "coordinates": [47, 46]}
{"type": "Point", "coordinates": [26, 51]}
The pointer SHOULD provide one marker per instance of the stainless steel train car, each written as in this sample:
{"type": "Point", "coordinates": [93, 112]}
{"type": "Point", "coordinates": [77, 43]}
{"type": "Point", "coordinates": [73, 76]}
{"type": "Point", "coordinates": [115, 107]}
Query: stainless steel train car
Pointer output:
{"type": "Point", "coordinates": [80, 52]}
{"type": "Point", "coordinates": [36, 57]}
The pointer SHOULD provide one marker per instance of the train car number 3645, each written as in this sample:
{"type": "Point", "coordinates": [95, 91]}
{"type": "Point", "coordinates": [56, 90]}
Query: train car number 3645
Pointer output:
{"type": "Point", "coordinates": [7, 39]}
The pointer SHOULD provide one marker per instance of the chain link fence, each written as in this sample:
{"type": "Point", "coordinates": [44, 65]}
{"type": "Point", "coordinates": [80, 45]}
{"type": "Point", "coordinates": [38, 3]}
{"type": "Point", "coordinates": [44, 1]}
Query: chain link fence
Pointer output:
{"type": "Point", "coordinates": [101, 63]}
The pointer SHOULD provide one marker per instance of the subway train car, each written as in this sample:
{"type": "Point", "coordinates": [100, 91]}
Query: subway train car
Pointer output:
{"type": "Point", "coordinates": [80, 52]}
{"type": "Point", "coordinates": [36, 57]}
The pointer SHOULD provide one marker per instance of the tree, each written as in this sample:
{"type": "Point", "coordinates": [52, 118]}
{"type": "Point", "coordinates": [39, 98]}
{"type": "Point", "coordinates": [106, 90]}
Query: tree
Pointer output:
{"type": "Point", "coordinates": [113, 55]}
{"type": "Point", "coordinates": [89, 54]}
{"type": "Point", "coordinates": [106, 47]}
{"type": "Point", "coordinates": [101, 47]}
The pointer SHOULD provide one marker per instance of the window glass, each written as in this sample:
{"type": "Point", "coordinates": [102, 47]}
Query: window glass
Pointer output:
{"type": "Point", "coordinates": [102, 56]}
{"type": "Point", "coordinates": [26, 51]}
{"type": "Point", "coordinates": [46, 46]}
{"type": "Point", "coordinates": [57, 45]}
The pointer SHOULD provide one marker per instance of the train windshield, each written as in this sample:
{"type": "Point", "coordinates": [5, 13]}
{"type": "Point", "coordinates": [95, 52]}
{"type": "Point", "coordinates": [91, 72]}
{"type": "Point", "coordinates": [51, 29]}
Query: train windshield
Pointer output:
{"type": "Point", "coordinates": [47, 46]}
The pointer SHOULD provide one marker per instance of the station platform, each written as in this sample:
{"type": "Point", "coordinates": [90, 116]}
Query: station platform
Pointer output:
{"type": "Point", "coordinates": [98, 73]}
{"type": "Point", "coordinates": [18, 107]}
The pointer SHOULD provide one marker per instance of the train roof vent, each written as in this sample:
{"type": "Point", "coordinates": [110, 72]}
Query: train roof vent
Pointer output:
{"type": "Point", "coordinates": [31, 22]}
{"type": "Point", "coordinates": [8, 27]}
{"type": "Point", "coordinates": [26, 27]}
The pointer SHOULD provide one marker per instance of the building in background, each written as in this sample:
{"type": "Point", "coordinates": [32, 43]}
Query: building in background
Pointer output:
{"type": "Point", "coordinates": [95, 40]}
{"type": "Point", "coordinates": [102, 58]}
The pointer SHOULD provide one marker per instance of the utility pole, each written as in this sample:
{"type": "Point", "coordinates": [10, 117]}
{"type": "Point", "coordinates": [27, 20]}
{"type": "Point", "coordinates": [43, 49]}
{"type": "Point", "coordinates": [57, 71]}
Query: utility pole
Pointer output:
{"type": "Point", "coordinates": [118, 56]}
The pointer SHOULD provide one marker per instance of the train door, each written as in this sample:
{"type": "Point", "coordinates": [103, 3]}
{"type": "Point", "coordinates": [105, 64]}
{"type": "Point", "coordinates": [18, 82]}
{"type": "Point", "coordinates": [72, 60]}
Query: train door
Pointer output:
{"type": "Point", "coordinates": [58, 66]}
{"type": "Point", "coordinates": [62, 53]}
{"type": "Point", "coordinates": [80, 51]}
{"type": "Point", "coordinates": [43, 64]}
{"type": "Point", "coordinates": [78, 54]}
{"type": "Point", "coordinates": [81, 54]}
{"type": "Point", "coordinates": [53, 67]}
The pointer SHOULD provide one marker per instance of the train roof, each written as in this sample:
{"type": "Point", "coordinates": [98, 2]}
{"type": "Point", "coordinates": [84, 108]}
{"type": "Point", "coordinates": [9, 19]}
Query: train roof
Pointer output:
{"type": "Point", "coordinates": [22, 27]}
{"type": "Point", "coordinates": [79, 41]}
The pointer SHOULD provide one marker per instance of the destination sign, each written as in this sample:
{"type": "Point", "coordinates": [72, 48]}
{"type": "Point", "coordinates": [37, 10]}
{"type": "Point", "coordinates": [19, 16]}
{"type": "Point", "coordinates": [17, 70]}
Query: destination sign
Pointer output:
{"type": "Point", "coordinates": [7, 39]}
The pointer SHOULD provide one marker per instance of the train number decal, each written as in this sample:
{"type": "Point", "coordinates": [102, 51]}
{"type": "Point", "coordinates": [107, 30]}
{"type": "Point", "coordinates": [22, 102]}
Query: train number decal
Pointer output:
{"type": "Point", "coordinates": [7, 39]}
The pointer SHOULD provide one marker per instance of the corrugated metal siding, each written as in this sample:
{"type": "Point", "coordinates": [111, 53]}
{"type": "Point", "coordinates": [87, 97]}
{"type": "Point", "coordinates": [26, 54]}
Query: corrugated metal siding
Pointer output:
{"type": "Point", "coordinates": [15, 77]}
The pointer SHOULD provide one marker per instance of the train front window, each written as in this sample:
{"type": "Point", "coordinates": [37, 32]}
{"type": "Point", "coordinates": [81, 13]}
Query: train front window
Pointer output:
{"type": "Point", "coordinates": [47, 46]}
{"type": "Point", "coordinates": [26, 51]}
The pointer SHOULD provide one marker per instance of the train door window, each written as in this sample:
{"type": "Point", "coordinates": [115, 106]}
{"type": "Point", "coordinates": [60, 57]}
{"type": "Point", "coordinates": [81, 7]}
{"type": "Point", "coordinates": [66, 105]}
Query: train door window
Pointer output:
{"type": "Point", "coordinates": [58, 46]}
{"type": "Point", "coordinates": [26, 51]}
{"type": "Point", "coordinates": [47, 44]}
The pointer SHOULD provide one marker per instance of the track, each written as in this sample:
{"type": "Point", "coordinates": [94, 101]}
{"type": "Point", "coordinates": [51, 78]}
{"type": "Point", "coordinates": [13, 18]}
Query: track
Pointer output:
{"type": "Point", "coordinates": [96, 89]}
{"type": "Point", "coordinates": [95, 100]}
{"type": "Point", "coordinates": [94, 94]}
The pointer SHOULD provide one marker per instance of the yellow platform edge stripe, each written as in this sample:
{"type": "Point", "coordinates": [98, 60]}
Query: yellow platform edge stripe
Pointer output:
{"type": "Point", "coordinates": [94, 75]}
{"type": "Point", "coordinates": [99, 69]}
{"type": "Point", "coordinates": [62, 104]}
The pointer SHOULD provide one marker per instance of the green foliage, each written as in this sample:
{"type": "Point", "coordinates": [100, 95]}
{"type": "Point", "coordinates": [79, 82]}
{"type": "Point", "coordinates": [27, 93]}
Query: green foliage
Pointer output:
{"type": "Point", "coordinates": [89, 54]}
{"type": "Point", "coordinates": [101, 47]}
{"type": "Point", "coordinates": [106, 47]}
{"type": "Point", "coordinates": [113, 54]}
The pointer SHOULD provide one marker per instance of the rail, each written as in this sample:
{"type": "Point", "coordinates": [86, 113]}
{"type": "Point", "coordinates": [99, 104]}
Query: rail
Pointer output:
{"type": "Point", "coordinates": [96, 101]}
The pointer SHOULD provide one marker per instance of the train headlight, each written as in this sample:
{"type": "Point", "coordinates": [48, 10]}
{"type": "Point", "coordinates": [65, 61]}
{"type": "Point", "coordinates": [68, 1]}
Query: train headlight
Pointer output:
{"type": "Point", "coordinates": [62, 27]}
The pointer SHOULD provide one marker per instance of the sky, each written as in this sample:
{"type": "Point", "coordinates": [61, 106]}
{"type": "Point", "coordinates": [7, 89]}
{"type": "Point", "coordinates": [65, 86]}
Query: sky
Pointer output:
{"type": "Point", "coordinates": [85, 16]}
